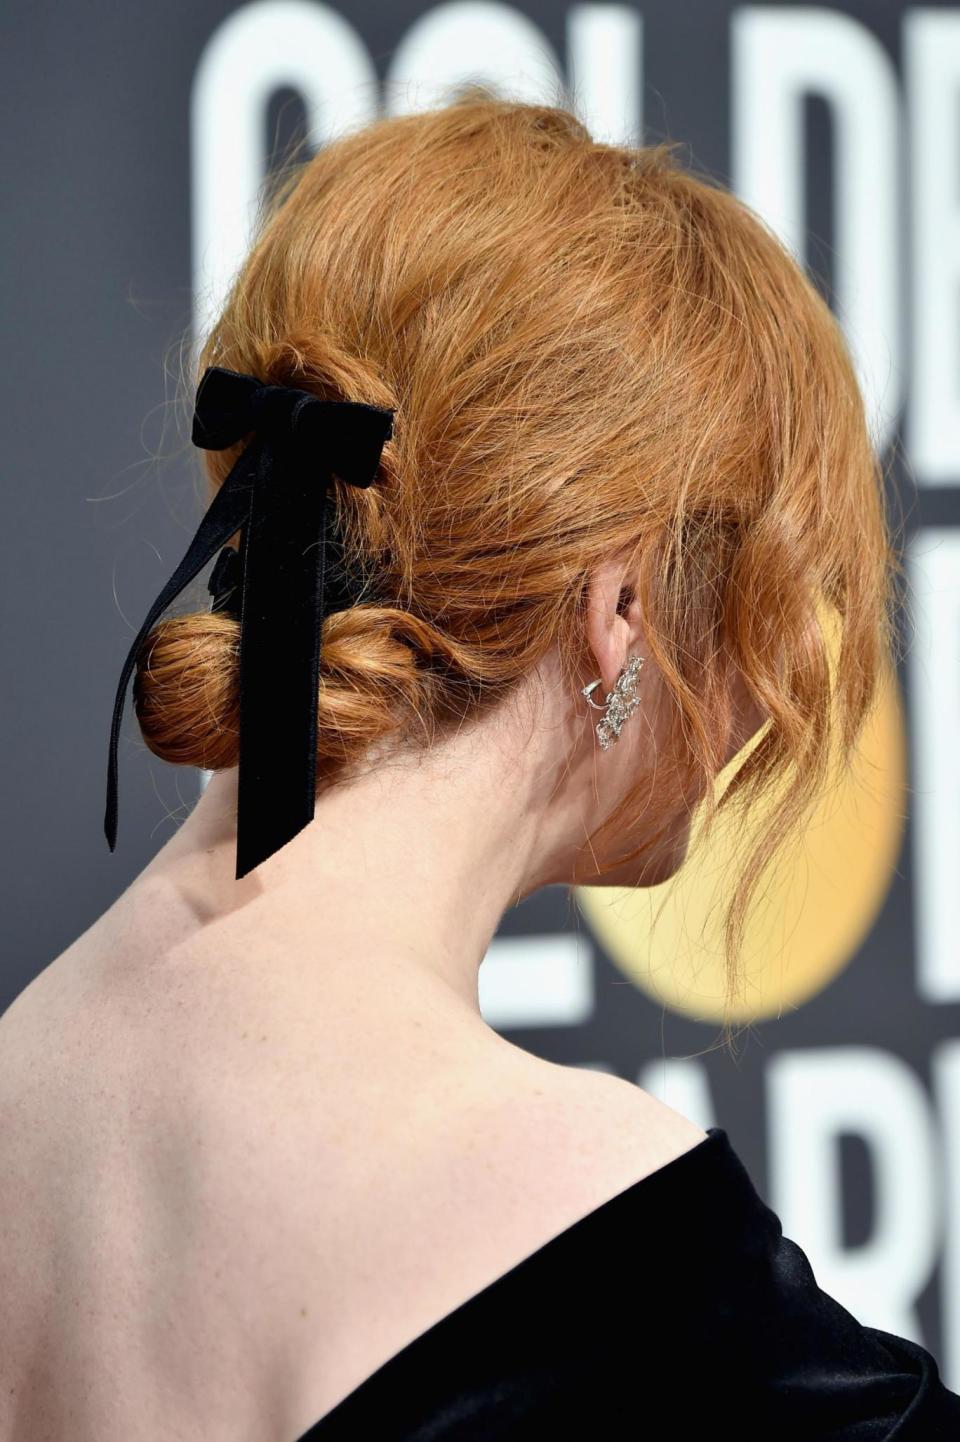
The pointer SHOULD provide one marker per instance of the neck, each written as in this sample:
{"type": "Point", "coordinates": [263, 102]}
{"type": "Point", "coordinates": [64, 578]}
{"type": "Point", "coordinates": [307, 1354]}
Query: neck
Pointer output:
{"type": "Point", "coordinates": [402, 877]}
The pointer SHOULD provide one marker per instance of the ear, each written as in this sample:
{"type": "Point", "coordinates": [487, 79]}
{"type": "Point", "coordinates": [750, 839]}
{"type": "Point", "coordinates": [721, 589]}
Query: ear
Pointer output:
{"type": "Point", "coordinates": [612, 629]}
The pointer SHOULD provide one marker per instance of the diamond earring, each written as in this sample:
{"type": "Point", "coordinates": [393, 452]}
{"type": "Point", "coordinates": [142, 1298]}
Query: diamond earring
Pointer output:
{"type": "Point", "coordinates": [622, 701]}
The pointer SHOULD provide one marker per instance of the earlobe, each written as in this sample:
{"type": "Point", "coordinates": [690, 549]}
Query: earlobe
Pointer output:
{"type": "Point", "coordinates": [609, 597]}
{"type": "Point", "coordinates": [606, 629]}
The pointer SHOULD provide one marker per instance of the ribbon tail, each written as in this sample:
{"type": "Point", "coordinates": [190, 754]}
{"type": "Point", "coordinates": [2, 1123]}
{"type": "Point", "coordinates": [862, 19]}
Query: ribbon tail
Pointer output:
{"type": "Point", "coordinates": [283, 612]}
{"type": "Point", "coordinates": [226, 514]}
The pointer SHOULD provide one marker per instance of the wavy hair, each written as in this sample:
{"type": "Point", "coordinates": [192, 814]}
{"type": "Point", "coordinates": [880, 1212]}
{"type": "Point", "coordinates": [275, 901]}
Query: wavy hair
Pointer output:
{"type": "Point", "coordinates": [590, 350]}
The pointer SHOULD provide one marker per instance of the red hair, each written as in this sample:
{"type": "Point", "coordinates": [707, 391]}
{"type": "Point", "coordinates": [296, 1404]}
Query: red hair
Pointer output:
{"type": "Point", "coordinates": [589, 350]}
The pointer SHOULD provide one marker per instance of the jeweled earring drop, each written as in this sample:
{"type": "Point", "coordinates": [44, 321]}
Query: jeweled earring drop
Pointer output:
{"type": "Point", "coordinates": [622, 701]}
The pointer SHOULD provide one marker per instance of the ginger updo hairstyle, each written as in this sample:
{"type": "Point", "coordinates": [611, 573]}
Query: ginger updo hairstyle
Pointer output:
{"type": "Point", "coordinates": [588, 349]}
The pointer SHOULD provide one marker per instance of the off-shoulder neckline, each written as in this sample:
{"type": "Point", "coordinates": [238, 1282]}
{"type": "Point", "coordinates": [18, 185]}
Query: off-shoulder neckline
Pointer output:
{"type": "Point", "coordinates": [711, 1147]}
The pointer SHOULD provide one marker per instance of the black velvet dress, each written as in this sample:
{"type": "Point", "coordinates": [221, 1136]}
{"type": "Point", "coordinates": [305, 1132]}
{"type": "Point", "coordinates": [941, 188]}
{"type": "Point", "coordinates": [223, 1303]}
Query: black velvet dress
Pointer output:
{"type": "Point", "coordinates": [675, 1310]}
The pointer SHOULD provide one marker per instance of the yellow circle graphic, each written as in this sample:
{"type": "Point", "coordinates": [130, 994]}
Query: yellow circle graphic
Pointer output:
{"type": "Point", "coordinates": [809, 916]}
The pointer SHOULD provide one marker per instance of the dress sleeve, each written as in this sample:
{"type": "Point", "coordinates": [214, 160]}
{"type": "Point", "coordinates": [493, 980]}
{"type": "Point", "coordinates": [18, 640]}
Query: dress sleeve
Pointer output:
{"type": "Point", "coordinates": [822, 1374]}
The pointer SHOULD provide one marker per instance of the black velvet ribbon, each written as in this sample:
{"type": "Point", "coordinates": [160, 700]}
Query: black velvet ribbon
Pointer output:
{"type": "Point", "coordinates": [280, 586]}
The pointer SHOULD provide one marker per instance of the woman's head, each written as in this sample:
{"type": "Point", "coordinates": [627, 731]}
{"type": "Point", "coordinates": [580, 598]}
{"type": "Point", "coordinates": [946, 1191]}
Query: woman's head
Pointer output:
{"type": "Point", "coordinates": [625, 423]}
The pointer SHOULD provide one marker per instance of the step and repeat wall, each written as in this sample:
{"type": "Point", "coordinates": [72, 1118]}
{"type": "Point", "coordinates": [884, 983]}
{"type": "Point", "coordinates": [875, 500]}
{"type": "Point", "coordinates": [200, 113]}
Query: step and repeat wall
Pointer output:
{"type": "Point", "coordinates": [136, 142]}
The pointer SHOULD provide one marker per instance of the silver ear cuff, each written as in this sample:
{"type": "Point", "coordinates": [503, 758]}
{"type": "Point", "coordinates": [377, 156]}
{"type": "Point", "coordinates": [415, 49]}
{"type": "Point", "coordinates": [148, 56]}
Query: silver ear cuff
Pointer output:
{"type": "Point", "coordinates": [622, 701]}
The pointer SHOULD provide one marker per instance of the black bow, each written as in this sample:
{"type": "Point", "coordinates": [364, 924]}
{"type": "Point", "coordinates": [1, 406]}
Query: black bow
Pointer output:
{"type": "Point", "coordinates": [278, 588]}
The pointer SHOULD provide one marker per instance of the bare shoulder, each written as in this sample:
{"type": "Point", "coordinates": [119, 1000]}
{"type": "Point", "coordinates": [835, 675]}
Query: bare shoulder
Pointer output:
{"type": "Point", "coordinates": [277, 1214]}
{"type": "Point", "coordinates": [589, 1132]}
